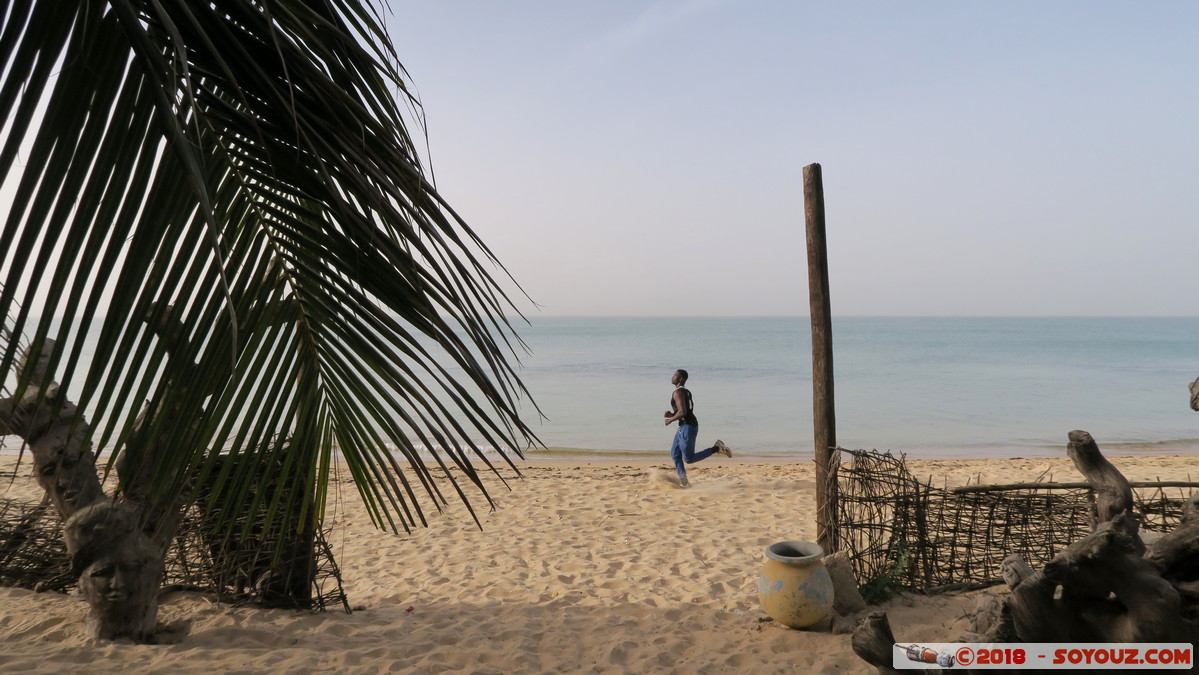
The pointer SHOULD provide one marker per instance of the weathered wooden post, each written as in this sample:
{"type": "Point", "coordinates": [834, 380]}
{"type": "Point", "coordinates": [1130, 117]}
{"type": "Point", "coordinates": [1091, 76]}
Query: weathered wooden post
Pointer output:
{"type": "Point", "coordinates": [824, 419]}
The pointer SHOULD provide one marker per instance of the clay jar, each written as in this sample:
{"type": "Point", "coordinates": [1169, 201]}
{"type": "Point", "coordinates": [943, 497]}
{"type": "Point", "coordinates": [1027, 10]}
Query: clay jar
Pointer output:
{"type": "Point", "coordinates": [795, 588]}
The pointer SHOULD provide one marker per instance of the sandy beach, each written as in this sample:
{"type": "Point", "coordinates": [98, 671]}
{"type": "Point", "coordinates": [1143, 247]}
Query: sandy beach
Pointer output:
{"type": "Point", "coordinates": [583, 567]}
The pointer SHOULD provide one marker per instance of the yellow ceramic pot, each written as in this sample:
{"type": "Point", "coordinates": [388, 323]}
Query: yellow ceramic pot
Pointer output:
{"type": "Point", "coordinates": [795, 588]}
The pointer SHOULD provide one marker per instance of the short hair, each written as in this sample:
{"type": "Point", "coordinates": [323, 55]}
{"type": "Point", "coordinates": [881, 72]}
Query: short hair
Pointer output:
{"type": "Point", "coordinates": [682, 374]}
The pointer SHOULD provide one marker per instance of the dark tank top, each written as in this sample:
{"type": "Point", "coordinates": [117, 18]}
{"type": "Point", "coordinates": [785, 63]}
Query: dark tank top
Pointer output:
{"type": "Point", "coordinates": [689, 418]}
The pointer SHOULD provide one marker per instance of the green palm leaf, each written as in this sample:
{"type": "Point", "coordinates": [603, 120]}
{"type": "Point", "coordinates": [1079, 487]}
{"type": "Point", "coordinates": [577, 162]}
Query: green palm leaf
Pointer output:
{"type": "Point", "coordinates": [229, 189]}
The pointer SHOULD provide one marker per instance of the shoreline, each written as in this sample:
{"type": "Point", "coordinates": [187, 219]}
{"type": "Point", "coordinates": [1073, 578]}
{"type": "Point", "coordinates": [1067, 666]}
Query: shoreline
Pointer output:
{"type": "Point", "coordinates": [10, 447]}
{"type": "Point", "coordinates": [1183, 447]}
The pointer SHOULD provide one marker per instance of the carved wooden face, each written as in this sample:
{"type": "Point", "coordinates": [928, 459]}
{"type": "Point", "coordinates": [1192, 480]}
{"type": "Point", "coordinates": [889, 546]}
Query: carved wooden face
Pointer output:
{"type": "Point", "coordinates": [37, 369]}
{"type": "Point", "coordinates": [69, 486]}
{"type": "Point", "coordinates": [117, 580]}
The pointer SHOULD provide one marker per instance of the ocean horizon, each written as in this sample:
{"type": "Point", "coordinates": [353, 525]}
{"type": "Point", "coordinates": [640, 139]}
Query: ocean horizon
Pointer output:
{"type": "Point", "coordinates": [927, 387]}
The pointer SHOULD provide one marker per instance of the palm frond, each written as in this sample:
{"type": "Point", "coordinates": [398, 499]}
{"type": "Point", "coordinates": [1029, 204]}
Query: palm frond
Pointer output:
{"type": "Point", "coordinates": [229, 189]}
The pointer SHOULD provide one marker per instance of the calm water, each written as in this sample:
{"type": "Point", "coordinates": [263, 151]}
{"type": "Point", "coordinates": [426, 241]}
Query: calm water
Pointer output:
{"type": "Point", "coordinates": [930, 387]}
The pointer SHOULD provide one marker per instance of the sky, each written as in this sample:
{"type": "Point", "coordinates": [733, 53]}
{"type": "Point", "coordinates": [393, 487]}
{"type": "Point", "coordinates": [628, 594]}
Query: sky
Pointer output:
{"type": "Point", "coordinates": [646, 158]}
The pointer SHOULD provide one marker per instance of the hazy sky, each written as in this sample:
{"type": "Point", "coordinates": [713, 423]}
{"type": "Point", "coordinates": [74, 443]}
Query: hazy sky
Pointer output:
{"type": "Point", "coordinates": [994, 158]}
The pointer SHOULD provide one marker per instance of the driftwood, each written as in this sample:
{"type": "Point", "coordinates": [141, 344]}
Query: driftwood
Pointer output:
{"type": "Point", "coordinates": [873, 641]}
{"type": "Point", "coordinates": [1108, 594]}
{"type": "Point", "coordinates": [1105, 587]}
{"type": "Point", "coordinates": [1113, 494]}
{"type": "Point", "coordinates": [1176, 556]}
{"type": "Point", "coordinates": [1111, 588]}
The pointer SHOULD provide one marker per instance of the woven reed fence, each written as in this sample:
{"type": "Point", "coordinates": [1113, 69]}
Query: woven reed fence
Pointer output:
{"type": "Point", "coordinates": [250, 571]}
{"type": "Point", "coordinates": [902, 533]}
{"type": "Point", "coordinates": [32, 555]}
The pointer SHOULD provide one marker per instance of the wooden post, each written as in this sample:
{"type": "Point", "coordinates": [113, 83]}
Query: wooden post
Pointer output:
{"type": "Point", "coordinates": [824, 419]}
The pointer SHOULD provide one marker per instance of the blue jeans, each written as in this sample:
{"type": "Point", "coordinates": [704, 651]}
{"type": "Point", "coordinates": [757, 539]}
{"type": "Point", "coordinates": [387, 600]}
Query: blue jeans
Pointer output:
{"type": "Point", "coordinates": [683, 449]}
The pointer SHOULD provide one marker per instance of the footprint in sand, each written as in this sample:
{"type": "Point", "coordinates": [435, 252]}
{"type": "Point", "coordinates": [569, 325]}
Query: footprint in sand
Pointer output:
{"type": "Point", "coordinates": [665, 480]}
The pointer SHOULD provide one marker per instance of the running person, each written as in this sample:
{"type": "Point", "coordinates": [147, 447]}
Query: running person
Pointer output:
{"type": "Point", "coordinates": [682, 410]}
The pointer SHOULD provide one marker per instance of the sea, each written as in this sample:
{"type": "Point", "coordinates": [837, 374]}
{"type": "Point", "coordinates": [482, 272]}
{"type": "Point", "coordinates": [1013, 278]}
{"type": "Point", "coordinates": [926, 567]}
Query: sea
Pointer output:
{"type": "Point", "coordinates": [926, 387]}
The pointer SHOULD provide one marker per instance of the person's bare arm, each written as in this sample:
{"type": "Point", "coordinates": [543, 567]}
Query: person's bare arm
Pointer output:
{"type": "Point", "coordinates": [680, 404]}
